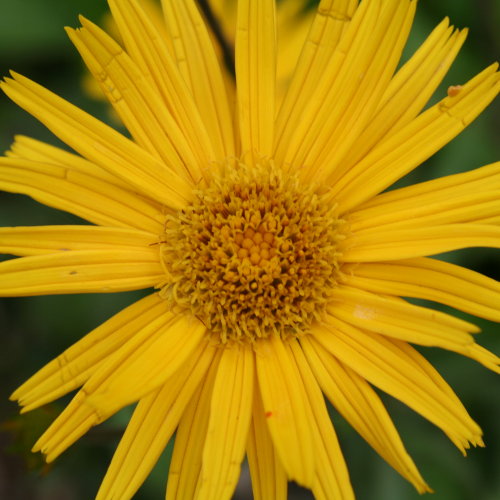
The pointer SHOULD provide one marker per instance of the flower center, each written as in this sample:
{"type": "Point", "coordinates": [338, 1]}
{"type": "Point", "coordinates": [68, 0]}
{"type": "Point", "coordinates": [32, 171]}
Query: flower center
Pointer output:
{"type": "Point", "coordinates": [254, 254]}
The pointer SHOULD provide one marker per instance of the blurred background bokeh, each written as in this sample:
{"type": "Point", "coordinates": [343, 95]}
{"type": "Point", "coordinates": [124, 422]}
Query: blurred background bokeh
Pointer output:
{"type": "Point", "coordinates": [34, 330]}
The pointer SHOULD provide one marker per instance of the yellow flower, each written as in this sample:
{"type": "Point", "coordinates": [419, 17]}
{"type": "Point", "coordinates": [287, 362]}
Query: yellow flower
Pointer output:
{"type": "Point", "coordinates": [278, 261]}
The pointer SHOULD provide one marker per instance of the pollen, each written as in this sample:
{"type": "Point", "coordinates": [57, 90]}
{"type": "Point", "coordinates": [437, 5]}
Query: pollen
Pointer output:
{"type": "Point", "coordinates": [254, 254]}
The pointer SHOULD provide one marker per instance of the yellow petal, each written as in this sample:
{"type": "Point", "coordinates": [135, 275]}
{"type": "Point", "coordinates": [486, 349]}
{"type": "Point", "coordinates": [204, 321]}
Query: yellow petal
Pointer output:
{"type": "Point", "coordinates": [39, 240]}
{"type": "Point", "coordinates": [201, 71]}
{"type": "Point", "coordinates": [76, 364]}
{"type": "Point", "coordinates": [409, 90]}
{"type": "Point", "coordinates": [331, 476]}
{"type": "Point", "coordinates": [150, 365]}
{"type": "Point", "coordinates": [138, 105]}
{"type": "Point", "coordinates": [228, 425]}
{"type": "Point", "coordinates": [399, 319]}
{"type": "Point", "coordinates": [288, 409]}
{"type": "Point", "coordinates": [267, 473]}
{"type": "Point", "coordinates": [139, 366]}
{"type": "Point", "coordinates": [429, 279]}
{"type": "Point", "coordinates": [146, 45]}
{"type": "Point", "coordinates": [99, 143]}
{"type": "Point", "coordinates": [152, 425]}
{"type": "Point", "coordinates": [353, 96]}
{"type": "Point", "coordinates": [256, 74]}
{"type": "Point", "coordinates": [84, 195]}
{"type": "Point", "coordinates": [478, 180]}
{"type": "Point", "coordinates": [330, 21]}
{"type": "Point", "coordinates": [360, 405]}
{"type": "Point", "coordinates": [469, 197]}
{"type": "Point", "coordinates": [380, 245]}
{"type": "Point", "coordinates": [400, 153]}
{"type": "Point", "coordinates": [385, 364]}
{"type": "Point", "coordinates": [41, 152]}
{"type": "Point", "coordinates": [81, 271]}
{"type": "Point", "coordinates": [185, 465]}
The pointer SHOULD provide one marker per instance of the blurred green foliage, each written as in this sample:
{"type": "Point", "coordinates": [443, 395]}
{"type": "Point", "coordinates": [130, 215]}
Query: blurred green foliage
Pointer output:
{"type": "Point", "coordinates": [36, 329]}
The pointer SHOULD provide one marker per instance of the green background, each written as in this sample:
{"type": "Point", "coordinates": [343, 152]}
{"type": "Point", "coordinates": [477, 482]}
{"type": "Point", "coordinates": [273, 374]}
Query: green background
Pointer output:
{"type": "Point", "coordinates": [34, 330]}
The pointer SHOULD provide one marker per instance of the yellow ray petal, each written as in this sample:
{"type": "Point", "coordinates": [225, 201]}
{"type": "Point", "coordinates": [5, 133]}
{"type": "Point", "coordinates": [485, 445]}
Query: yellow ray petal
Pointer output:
{"type": "Point", "coordinates": [81, 271]}
{"type": "Point", "coordinates": [256, 74]}
{"type": "Point", "coordinates": [330, 22]}
{"type": "Point", "coordinates": [399, 319]}
{"type": "Point", "coordinates": [415, 142]}
{"type": "Point", "coordinates": [41, 152]}
{"type": "Point", "coordinates": [289, 413]}
{"type": "Point", "coordinates": [149, 49]}
{"type": "Point", "coordinates": [267, 473]}
{"type": "Point", "coordinates": [381, 362]}
{"type": "Point", "coordinates": [349, 86]}
{"type": "Point", "coordinates": [138, 105]}
{"type": "Point", "coordinates": [152, 425]}
{"type": "Point", "coordinates": [81, 194]}
{"type": "Point", "coordinates": [76, 364]}
{"type": "Point", "coordinates": [380, 245]}
{"type": "Point", "coordinates": [466, 197]}
{"type": "Point", "coordinates": [78, 417]}
{"type": "Point", "coordinates": [478, 180]}
{"type": "Point", "coordinates": [228, 425]}
{"type": "Point", "coordinates": [152, 364]}
{"type": "Point", "coordinates": [331, 476]}
{"type": "Point", "coordinates": [201, 71]}
{"type": "Point", "coordinates": [139, 366]}
{"type": "Point", "coordinates": [39, 240]}
{"type": "Point", "coordinates": [409, 90]}
{"type": "Point", "coordinates": [429, 279]}
{"type": "Point", "coordinates": [185, 465]}
{"type": "Point", "coordinates": [352, 97]}
{"type": "Point", "coordinates": [362, 408]}
{"type": "Point", "coordinates": [99, 143]}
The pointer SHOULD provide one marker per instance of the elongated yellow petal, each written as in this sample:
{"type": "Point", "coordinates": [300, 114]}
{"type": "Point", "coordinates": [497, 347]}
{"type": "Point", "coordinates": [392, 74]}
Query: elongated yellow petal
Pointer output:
{"type": "Point", "coordinates": [351, 99]}
{"type": "Point", "coordinates": [76, 364]}
{"type": "Point", "coordinates": [349, 88]}
{"type": "Point", "coordinates": [268, 476]}
{"type": "Point", "coordinates": [84, 195]}
{"type": "Point", "coordinates": [138, 105]}
{"type": "Point", "coordinates": [78, 417]}
{"type": "Point", "coordinates": [201, 71]}
{"type": "Point", "coordinates": [186, 462]}
{"type": "Point", "coordinates": [150, 366]}
{"type": "Point", "coordinates": [149, 49]}
{"type": "Point", "coordinates": [415, 142]}
{"type": "Point", "coordinates": [227, 432]}
{"type": "Point", "coordinates": [152, 425]}
{"type": "Point", "coordinates": [383, 363]}
{"type": "Point", "coordinates": [99, 143]}
{"type": "Point", "coordinates": [134, 370]}
{"type": "Point", "coordinates": [331, 476]}
{"type": "Point", "coordinates": [362, 408]}
{"type": "Point", "coordinates": [469, 197]}
{"type": "Point", "coordinates": [477, 180]}
{"type": "Point", "coordinates": [39, 240]}
{"type": "Point", "coordinates": [331, 20]}
{"type": "Point", "coordinates": [409, 90]}
{"type": "Point", "coordinates": [256, 74]}
{"type": "Point", "coordinates": [380, 245]}
{"type": "Point", "coordinates": [81, 271]}
{"type": "Point", "coordinates": [399, 319]}
{"type": "Point", "coordinates": [430, 279]}
{"type": "Point", "coordinates": [41, 152]}
{"type": "Point", "coordinates": [289, 413]}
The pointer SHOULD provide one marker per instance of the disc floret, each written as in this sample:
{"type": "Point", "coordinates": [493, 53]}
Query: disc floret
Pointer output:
{"type": "Point", "coordinates": [255, 253]}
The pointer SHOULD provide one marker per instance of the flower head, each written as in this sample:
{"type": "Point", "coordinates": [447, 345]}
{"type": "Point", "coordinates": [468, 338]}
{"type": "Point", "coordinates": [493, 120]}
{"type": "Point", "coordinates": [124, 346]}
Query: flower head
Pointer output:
{"type": "Point", "coordinates": [280, 267]}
